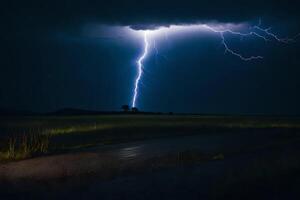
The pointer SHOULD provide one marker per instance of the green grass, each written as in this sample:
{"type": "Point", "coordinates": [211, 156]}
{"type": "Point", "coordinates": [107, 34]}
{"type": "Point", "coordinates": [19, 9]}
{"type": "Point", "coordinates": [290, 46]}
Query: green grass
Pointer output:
{"type": "Point", "coordinates": [25, 146]}
{"type": "Point", "coordinates": [69, 124]}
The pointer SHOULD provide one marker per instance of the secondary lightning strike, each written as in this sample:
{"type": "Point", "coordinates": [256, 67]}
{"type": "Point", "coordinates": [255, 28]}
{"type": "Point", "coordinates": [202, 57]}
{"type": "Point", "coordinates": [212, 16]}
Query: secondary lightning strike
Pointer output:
{"type": "Point", "coordinates": [256, 31]}
{"type": "Point", "coordinates": [157, 54]}
{"type": "Point", "coordinates": [140, 68]}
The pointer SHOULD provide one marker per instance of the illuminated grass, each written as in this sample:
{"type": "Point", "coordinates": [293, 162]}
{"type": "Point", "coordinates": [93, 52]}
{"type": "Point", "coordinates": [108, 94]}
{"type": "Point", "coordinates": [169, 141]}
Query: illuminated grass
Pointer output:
{"type": "Point", "coordinates": [26, 146]}
{"type": "Point", "coordinates": [73, 124]}
{"type": "Point", "coordinates": [73, 129]}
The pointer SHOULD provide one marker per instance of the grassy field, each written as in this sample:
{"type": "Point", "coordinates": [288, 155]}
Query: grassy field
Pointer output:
{"type": "Point", "coordinates": [25, 137]}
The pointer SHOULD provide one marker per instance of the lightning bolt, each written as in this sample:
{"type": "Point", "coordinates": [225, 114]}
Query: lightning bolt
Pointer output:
{"type": "Point", "coordinates": [140, 68]}
{"type": "Point", "coordinates": [255, 31]}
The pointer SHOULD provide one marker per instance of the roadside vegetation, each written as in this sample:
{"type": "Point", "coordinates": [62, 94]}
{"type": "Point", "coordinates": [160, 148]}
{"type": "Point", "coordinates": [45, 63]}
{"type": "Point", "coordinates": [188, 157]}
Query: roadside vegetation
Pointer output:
{"type": "Point", "coordinates": [25, 146]}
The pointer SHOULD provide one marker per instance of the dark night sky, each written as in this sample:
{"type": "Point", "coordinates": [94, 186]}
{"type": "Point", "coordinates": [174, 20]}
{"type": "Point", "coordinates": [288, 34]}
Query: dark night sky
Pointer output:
{"type": "Point", "coordinates": [49, 62]}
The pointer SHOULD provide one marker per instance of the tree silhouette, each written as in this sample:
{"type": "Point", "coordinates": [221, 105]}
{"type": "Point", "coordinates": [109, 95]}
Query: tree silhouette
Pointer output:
{"type": "Point", "coordinates": [125, 108]}
{"type": "Point", "coordinates": [134, 109]}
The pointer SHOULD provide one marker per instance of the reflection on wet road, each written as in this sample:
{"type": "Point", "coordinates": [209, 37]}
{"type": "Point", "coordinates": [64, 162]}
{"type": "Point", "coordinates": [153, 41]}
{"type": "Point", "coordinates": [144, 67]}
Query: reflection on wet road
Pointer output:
{"type": "Point", "coordinates": [130, 152]}
{"type": "Point", "coordinates": [205, 143]}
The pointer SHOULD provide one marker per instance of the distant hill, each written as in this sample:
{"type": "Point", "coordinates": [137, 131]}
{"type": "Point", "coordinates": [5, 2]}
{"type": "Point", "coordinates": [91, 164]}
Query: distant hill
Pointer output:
{"type": "Point", "coordinates": [75, 111]}
{"type": "Point", "coordinates": [64, 111]}
{"type": "Point", "coordinates": [68, 111]}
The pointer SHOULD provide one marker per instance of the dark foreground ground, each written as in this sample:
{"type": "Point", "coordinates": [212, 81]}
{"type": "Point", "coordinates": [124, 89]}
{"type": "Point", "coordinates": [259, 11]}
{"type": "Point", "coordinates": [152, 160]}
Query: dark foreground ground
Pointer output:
{"type": "Point", "coordinates": [155, 157]}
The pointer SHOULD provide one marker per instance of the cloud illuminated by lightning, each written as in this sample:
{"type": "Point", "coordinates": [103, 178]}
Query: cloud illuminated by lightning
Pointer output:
{"type": "Point", "coordinates": [255, 31]}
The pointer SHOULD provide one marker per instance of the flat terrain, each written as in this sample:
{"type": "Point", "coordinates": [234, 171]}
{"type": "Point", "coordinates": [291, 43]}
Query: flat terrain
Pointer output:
{"type": "Point", "coordinates": [150, 157]}
{"type": "Point", "coordinates": [75, 132]}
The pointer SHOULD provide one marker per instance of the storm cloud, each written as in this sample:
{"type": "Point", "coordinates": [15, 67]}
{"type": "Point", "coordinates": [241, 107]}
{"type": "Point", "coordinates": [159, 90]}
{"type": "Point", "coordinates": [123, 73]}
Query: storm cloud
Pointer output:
{"type": "Point", "coordinates": [72, 13]}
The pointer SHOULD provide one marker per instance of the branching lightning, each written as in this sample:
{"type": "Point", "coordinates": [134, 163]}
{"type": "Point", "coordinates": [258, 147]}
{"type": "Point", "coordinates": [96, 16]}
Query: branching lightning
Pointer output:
{"type": "Point", "coordinates": [226, 47]}
{"type": "Point", "coordinates": [255, 31]}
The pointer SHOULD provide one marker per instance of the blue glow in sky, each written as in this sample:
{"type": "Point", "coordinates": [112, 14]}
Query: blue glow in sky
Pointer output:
{"type": "Point", "coordinates": [241, 31]}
